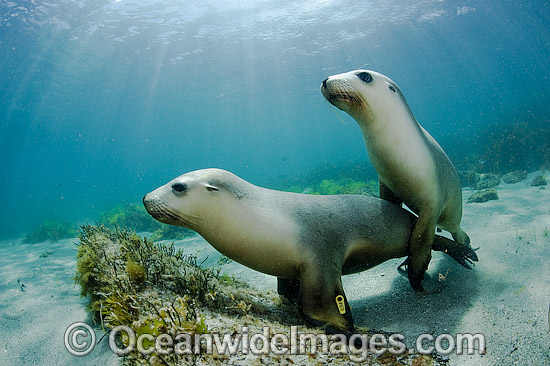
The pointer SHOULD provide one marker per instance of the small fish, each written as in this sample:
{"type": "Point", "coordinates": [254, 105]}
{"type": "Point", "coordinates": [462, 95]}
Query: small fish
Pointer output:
{"type": "Point", "coordinates": [21, 285]}
{"type": "Point", "coordinates": [45, 254]}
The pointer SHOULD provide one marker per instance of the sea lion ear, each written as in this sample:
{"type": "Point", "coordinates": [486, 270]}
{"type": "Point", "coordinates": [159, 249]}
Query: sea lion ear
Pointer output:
{"type": "Point", "coordinates": [211, 187]}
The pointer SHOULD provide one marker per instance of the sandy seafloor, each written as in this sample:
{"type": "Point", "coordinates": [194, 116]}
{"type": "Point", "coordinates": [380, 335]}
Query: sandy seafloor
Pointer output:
{"type": "Point", "coordinates": [506, 296]}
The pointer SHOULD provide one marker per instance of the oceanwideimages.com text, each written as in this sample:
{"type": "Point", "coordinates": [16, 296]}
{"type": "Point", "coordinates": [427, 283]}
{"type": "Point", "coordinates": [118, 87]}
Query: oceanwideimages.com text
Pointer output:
{"type": "Point", "coordinates": [357, 346]}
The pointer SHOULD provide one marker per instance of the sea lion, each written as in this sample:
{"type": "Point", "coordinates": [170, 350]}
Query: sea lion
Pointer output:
{"type": "Point", "coordinates": [411, 166]}
{"type": "Point", "coordinates": [307, 241]}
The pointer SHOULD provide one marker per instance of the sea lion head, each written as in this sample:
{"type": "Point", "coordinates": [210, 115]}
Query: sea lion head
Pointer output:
{"type": "Point", "coordinates": [181, 202]}
{"type": "Point", "coordinates": [365, 95]}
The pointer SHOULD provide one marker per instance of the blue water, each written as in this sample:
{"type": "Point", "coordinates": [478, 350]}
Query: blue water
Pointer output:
{"type": "Point", "coordinates": [102, 101]}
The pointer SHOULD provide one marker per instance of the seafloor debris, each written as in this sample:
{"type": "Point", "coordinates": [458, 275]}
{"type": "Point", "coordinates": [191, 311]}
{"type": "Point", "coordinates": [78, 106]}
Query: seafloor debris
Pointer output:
{"type": "Point", "coordinates": [539, 180]}
{"type": "Point", "coordinates": [514, 177]}
{"type": "Point", "coordinates": [156, 290]}
{"type": "Point", "coordinates": [484, 196]}
{"type": "Point", "coordinates": [487, 180]}
{"type": "Point", "coordinates": [468, 178]}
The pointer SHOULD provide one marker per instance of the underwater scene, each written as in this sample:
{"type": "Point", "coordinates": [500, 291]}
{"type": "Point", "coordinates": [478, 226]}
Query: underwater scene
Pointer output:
{"type": "Point", "coordinates": [275, 182]}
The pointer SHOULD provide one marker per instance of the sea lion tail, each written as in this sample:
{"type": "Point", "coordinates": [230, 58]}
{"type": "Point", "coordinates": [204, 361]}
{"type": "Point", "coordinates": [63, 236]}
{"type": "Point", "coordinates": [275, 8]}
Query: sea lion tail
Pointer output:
{"type": "Point", "coordinates": [463, 254]}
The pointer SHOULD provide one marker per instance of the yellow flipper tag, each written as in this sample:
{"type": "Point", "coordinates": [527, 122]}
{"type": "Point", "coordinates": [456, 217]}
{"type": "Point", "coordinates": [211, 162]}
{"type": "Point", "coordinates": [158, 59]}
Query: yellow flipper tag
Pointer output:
{"type": "Point", "coordinates": [341, 304]}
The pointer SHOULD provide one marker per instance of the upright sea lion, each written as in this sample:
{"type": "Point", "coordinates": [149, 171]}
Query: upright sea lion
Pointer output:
{"type": "Point", "coordinates": [411, 166]}
{"type": "Point", "coordinates": [309, 240]}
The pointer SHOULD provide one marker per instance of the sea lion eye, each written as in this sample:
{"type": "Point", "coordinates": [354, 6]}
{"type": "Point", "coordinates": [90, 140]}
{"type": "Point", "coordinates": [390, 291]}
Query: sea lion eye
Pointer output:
{"type": "Point", "coordinates": [179, 187]}
{"type": "Point", "coordinates": [365, 76]}
{"type": "Point", "coordinates": [392, 88]}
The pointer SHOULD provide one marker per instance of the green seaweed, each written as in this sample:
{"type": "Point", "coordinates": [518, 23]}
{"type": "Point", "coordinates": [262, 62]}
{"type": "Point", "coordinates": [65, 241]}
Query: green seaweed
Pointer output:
{"type": "Point", "coordinates": [151, 287]}
{"type": "Point", "coordinates": [514, 146]}
{"type": "Point", "coordinates": [346, 186]}
{"type": "Point", "coordinates": [201, 326]}
{"type": "Point", "coordinates": [514, 177]}
{"type": "Point", "coordinates": [136, 272]}
{"type": "Point", "coordinates": [224, 260]}
{"type": "Point", "coordinates": [232, 281]}
{"type": "Point", "coordinates": [51, 230]}
{"type": "Point", "coordinates": [350, 169]}
{"type": "Point", "coordinates": [486, 181]}
{"type": "Point", "coordinates": [539, 180]}
{"type": "Point", "coordinates": [483, 196]}
{"type": "Point", "coordinates": [170, 232]}
{"type": "Point", "coordinates": [342, 186]}
{"type": "Point", "coordinates": [131, 215]}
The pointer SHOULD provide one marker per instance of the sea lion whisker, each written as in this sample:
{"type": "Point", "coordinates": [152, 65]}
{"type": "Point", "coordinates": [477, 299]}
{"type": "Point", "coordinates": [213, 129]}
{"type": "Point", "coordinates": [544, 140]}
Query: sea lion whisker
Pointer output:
{"type": "Point", "coordinates": [176, 217]}
{"type": "Point", "coordinates": [343, 90]}
{"type": "Point", "coordinates": [182, 214]}
{"type": "Point", "coordinates": [179, 216]}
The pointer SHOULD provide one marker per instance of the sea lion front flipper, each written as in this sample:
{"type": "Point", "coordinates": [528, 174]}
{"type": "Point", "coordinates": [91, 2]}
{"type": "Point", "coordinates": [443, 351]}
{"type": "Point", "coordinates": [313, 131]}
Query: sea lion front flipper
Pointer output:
{"type": "Point", "coordinates": [290, 289]}
{"type": "Point", "coordinates": [463, 254]}
{"type": "Point", "coordinates": [322, 300]}
{"type": "Point", "coordinates": [420, 249]}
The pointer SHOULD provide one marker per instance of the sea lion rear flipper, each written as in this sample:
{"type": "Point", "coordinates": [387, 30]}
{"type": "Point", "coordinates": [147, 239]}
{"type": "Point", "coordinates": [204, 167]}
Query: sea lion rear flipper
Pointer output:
{"type": "Point", "coordinates": [322, 300]}
{"type": "Point", "coordinates": [463, 254]}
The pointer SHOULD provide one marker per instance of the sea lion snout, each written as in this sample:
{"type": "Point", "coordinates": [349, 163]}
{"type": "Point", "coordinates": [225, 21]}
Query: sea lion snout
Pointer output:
{"type": "Point", "coordinates": [157, 208]}
{"type": "Point", "coordinates": [152, 206]}
{"type": "Point", "coordinates": [340, 93]}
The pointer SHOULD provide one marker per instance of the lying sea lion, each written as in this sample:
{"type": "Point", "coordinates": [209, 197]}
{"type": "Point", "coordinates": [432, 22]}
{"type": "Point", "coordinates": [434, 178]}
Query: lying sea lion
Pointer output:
{"type": "Point", "coordinates": [304, 240]}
